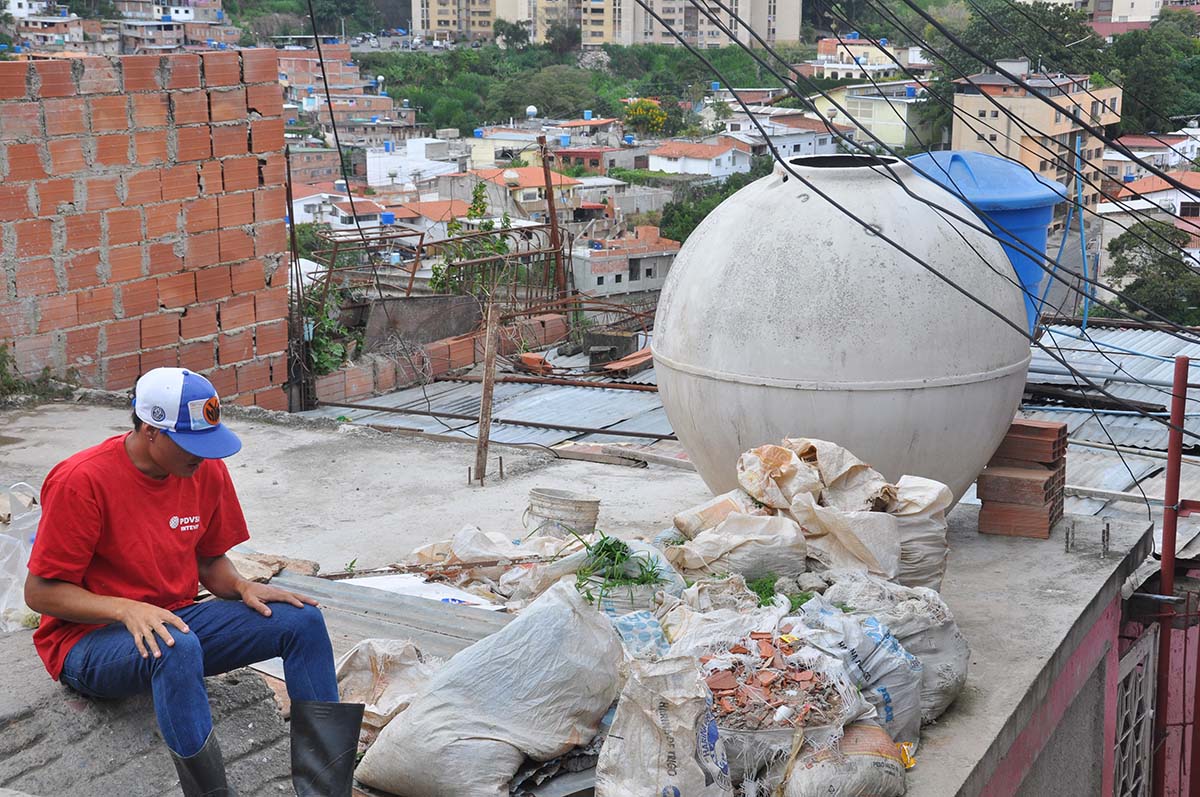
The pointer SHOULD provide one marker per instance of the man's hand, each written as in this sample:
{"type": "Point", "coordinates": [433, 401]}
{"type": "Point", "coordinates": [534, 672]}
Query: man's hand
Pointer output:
{"type": "Point", "coordinates": [144, 621]}
{"type": "Point", "coordinates": [257, 596]}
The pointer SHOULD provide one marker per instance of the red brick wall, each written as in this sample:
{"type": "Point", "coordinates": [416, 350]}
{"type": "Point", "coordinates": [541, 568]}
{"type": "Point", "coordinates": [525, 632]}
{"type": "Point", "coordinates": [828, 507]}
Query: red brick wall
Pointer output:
{"type": "Point", "coordinates": [141, 219]}
{"type": "Point", "coordinates": [374, 374]}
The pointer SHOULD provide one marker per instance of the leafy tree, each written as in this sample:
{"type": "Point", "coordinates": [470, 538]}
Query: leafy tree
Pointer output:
{"type": "Point", "coordinates": [1159, 67]}
{"type": "Point", "coordinates": [563, 37]}
{"type": "Point", "coordinates": [557, 90]}
{"type": "Point", "coordinates": [645, 116]}
{"type": "Point", "coordinates": [513, 34]}
{"type": "Point", "coordinates": [681, 216]}
{"type": "Point", "coordinates": [1159, 277]}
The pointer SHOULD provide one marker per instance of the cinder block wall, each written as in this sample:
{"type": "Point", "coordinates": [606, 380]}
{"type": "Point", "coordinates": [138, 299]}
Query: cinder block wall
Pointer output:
{"type": "Point", "coordinates": [141, 219]}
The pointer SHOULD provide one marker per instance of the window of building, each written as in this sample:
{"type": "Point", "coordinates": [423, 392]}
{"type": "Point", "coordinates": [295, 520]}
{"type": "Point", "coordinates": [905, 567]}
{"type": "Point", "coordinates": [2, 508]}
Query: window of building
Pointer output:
{"type": "Point", "coordinates": [995, 114]}
{"type": "Point", "coordinates": [991, 137]}
{"type": "Point", "coordinates": [594, 162]}
{"type": "Point", "coordinates": [822, 141]}
{"type": "Point", "coordinates": [979, 136]}
{"type": "Point", "coordinates": [635, 271]}
{"type": "Point", "coordinates": [1189, 210]}
{"type": "Point", "coordinates": [310, 208]}
{"type": "Point", "coordinates": [982, 112]}
{"type": "Point", "coordinates": [1112, 170]}
{"type": "Point", "coordinates": [649, 273]}
{"type": "Point", "coordinates": [616, 278]}
{"type": "Point", "coordinates": [599, 280]}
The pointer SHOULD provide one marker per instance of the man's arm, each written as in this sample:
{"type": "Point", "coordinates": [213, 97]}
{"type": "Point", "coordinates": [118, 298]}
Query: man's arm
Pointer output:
{"type": "Point", "coordinates": [73, 603]}
{"type": "Point", "coordinates": [221, 578]}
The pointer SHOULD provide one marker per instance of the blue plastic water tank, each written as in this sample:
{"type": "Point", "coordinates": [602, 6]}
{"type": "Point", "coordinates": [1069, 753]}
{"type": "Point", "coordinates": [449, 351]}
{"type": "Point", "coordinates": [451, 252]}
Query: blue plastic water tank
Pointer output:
{"type": "Point", "coordinates": [910, 91]}
{"type": "Point", "coordinates": [564, 141]}
{"type": "Point", "coordinates": [716, 85]}
{"type": "Point", "coordinates": [587, 115]}
{"type": "Point", "coordinates": [479, 132]}
{"type": "Point", "coordinates": [628, 139]}
{"type": "Point", "coordinates": [1018, 204]}
{"type": "Point", "coordinates": [387, 218]}
{"type": "Point", "coordinates": [387, 146]}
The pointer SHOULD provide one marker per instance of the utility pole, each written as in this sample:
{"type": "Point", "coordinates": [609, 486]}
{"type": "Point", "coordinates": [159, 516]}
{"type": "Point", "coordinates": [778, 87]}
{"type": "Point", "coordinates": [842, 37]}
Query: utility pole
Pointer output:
{"type": "Point", "coordinates": [490, 344]}
{"type": "Point", "coordinates": [560, 276]}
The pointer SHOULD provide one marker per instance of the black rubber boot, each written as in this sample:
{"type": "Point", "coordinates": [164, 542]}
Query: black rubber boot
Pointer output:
{"type": "Point", "coordinates": [203, 774]}
{"type": "Point", "coordinates": [324, 747]}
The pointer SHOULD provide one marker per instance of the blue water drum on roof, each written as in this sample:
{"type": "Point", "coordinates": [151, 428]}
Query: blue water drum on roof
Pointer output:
{"type": "Point", "coordinates": [1015, 203]}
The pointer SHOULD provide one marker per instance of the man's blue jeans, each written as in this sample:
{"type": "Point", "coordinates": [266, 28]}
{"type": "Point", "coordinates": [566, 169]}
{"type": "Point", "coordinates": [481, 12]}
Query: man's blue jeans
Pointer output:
{"type": "Point", "coordinates": [223, 636]}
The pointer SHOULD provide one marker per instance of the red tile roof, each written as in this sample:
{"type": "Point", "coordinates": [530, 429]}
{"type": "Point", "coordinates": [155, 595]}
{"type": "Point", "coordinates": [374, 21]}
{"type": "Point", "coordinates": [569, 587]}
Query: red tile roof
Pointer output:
{"type": "Point", "coordinates": [1152, 185]}
{"type": "Point", "coordinates": [588, 122]}
{"type": "Point", "coordinates": [361, 206]}
{"type": "Point", "coordinates": [802, 122]}
{"type": "Point", "coordinates": [526, 177]}
{"type": "Point", "coordinates": [439, 210]}
{"type": "Point", "coordinates": [688, 149]}
{"type": "Point", "coordinates": [1152, 141]}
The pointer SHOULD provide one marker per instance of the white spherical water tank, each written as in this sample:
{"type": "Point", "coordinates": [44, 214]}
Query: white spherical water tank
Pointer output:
{"type": "Point", "coordinates": [782, 317]}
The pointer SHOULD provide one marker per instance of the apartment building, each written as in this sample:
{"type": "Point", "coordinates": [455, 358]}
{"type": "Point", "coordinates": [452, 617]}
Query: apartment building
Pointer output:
{"type": "Point", "coordinates": [1050, 137]}
{"type": "Point", "coordinates": [612, 21]}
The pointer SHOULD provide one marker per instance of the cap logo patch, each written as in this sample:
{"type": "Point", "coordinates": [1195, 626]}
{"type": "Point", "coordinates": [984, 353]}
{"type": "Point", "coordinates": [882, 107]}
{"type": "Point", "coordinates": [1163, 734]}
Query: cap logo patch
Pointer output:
{"type": "Point", "coordinates": [158, 414]}
{"type": "Point", "coordinates": [212, 411]}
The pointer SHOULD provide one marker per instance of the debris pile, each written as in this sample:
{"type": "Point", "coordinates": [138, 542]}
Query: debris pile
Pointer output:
{"type": "Point", "coordinates": [785, 638]}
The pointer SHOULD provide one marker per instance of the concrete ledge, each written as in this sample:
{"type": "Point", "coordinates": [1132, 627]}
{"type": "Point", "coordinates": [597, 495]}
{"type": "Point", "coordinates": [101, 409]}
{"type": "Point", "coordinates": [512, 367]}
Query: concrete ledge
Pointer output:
{"type": "Point", "coordinates": [1025, 607]}
{"type": "Point", "coordinates": [54, 742]}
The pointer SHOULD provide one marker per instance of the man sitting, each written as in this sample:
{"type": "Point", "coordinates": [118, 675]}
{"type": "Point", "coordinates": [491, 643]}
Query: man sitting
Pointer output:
{"type": "Point", "coordinates": [129, 529]}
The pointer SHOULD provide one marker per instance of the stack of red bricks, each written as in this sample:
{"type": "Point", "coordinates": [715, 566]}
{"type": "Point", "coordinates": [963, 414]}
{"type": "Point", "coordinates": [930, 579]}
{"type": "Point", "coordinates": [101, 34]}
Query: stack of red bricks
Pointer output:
{"type": "Point", "coordinates": [1021, 489]}
{"type": "Point", "coordinates": [141, 219]}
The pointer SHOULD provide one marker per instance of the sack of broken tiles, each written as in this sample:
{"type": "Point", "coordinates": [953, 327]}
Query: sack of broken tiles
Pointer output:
{"type": "Point", "coordinates": [810, 504]}
{"type": "Point", "coordinates": [536, 688]}
{"type": "Point", "coordinates": [771, 691]}
{"type": "Point", "coordinates": [663, 739]}
{"type": "Point", "coordinates": [921, 622]}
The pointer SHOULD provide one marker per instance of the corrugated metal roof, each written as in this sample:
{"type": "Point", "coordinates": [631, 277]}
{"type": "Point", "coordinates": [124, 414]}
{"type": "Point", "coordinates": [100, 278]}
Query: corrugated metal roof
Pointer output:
{"type": "Point", "coordinates": [1100, 353]}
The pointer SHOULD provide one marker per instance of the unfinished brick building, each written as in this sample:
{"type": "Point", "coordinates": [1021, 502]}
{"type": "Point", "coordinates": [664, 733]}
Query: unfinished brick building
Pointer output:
{"type": "Point", "coordinates": [142, 219]}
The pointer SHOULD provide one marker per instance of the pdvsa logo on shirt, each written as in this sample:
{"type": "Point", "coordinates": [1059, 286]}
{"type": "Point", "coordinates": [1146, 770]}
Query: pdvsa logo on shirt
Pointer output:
{"type": "Point", "coordinates": [191, 523]}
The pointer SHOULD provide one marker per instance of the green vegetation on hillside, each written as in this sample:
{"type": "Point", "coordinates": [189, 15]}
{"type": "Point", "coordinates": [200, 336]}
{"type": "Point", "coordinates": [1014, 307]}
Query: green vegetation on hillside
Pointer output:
{"type": "Point", "coordinates": [467, 87]}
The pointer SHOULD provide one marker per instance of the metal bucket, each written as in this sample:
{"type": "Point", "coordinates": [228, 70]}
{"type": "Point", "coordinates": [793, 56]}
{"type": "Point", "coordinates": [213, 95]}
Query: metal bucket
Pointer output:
{"type": "Point", "coordinates": [558, 513]}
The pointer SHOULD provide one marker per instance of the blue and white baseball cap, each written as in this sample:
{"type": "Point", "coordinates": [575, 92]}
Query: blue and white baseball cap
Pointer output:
{"type": "Point", "coordinates": [186, 407]}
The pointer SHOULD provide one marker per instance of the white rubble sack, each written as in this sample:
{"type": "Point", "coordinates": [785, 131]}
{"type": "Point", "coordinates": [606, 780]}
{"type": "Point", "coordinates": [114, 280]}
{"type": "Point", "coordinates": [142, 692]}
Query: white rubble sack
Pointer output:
{"type": "Point", "coordinates": [889, 676]}
{"type": "Point", "coordinates": [865, 763]}
{"type": "Point", "coordinates": [774, 476]}
{"type": "Point", "coordinates": [663, 738]}
{"type": "Point", "coordinates": [850, 484]}
{"type": "Point", "coordinates": [710, 514]}
{"type": "Point", "coordinates": [920, 510]}
{"type": "Point", "coordinates": [923, 624]}
{"type": "Point", "coordinates": [537, 687]}
{"type": "Point", "coordinates": [752, 546]}
{"type": "Point", "coordinates": [385, 675]}
{"type": "Point", "coordinates": [849, 540]}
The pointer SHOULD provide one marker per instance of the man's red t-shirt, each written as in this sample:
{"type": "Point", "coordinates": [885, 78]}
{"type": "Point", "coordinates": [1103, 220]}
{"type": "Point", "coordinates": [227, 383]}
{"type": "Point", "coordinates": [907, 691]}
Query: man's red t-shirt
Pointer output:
{"type": "Point", "coordinates": [113, 530]}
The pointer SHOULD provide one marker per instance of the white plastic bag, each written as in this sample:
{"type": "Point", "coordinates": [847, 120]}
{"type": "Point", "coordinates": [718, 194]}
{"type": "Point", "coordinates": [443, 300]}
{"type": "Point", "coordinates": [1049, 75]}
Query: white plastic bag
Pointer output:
{"type": "Point", "coordinates": [849, 484]}
{"type": "Point", "coordinates": [752, 546]}
{"type": "Point", "coordinates": [537, 687]}
{"type": "Point", "coordinates": [865, 763]}
{"type": "Point", "coordinates": [663, 740]}
{"type": "Point", "coordinates": [16, 544]}
{"type": "Point", "coordinates": [693, 633]}
{"type": "Point", "coordinates": [920, 510]}
{"type": "Point", "coordinates": [710, 514]}
{"type": "Point", "coordinates": [385, 675]}
{"type": "Point", "coordinates": [923, 624]}
{"type": "Point", "coordinates": [774, 476]}
{"type": "Point", "coordinates": [709, 594]}
{"type": "Point", "coordinates": [849, 540]}
{"type": "Point", "coordinates": [889, 676]}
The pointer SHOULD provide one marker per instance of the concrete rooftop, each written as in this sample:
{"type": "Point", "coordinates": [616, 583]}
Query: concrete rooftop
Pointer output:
{"type": "Point", "coordinates": [312, 490]}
